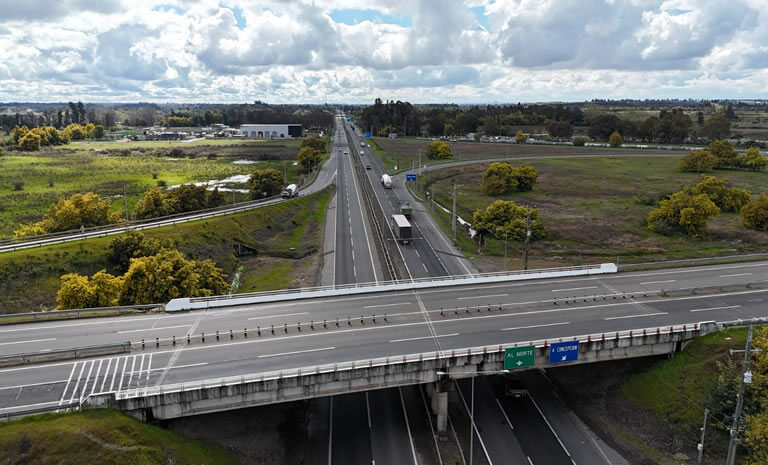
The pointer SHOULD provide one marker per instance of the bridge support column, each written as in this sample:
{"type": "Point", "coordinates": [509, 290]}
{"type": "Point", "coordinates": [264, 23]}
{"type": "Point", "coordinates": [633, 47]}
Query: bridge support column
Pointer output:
{"type": "Point", "coordinates": [442, 414]}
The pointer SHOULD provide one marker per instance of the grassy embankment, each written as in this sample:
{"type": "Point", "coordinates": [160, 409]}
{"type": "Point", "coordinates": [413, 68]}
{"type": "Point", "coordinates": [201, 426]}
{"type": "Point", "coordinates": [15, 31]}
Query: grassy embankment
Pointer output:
{"type": "Point", "coordinates": [100, 437]}
{"type": "Point", "coordinates": [282, 239]}
{"type": "Point", "coordinates": [104, 167]}
{"type": "Point", "coordinates": [669, 401]}
{"type": "Point", "coordinates": [594, 210]}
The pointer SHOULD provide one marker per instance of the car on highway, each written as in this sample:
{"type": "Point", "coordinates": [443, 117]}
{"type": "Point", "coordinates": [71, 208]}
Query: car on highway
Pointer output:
{"type": "Point", "coordinates": [368, 166]}
{"type": "Point", "coordinates": [513, 386]}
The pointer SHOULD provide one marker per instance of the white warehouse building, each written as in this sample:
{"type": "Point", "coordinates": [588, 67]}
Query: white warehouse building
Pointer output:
{"type": "Point", "coordinates": [270, 131]}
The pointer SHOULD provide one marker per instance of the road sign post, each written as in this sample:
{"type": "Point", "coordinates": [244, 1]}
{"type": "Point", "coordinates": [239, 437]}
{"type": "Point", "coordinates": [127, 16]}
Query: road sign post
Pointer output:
{"type": "Point", "coordinates": [519, 357]}
{"type": "Point", "coordinates": [410, 177]}
{"type": "Point", "coordinates": [560, 352]}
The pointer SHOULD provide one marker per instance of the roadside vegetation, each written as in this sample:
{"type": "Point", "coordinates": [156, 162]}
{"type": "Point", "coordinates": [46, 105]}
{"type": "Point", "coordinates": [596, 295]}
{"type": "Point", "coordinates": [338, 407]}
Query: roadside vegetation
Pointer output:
{"type": "Point", "coordinates": [100, 436]}
{"type": "Point", "coordinates": [595, 209]}
{"type": "Point", "coordinates": [272, 247]}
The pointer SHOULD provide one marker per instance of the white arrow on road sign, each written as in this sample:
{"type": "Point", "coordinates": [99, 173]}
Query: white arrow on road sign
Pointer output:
{"type": "Point", "coordinates": [519, 362]}
{"type": "Point", "coordinates": [564, 357]}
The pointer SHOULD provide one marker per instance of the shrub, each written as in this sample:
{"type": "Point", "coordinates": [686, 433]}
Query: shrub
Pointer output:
{"type": "Point", "coordinates": [18, 185]}
{"type": "Point", "coordinates": [308, 157]}
{"type": "Point", "coordinates": [615, 140]}
{"type": "Point", "coordinates": [77, 291]}
{"type": "Point", "coordinates": [755, 213]}
{"type": "Point", "coordinates": [154, 175]}
{"type": "Point", "coordinates": [317, 143]}
{"type": "Point", "coordinates": [683, 211]}
{"type": "Point", "coordinates": [162, 183]}
{"type": "Point", "coordinates": [753, 159]}
{"type": "Point", "coordinates": [31, 142]}
{"type": "Point", "coordinates": [727, 199]}
{"type": "Point", "coordinates": [505, 219]}
{"type": "Point", "coordinates": [725, 153]}
{"type": "Point", "coordinates": [579, 141]}
{"type": "Point", "coordinates": [698, 161]}
{"type": "Point", "coordinates": [50, 182]}
{"type": "Point", "coordinates": [520, 137]}
{"type": "Point", "coordinates": [526, 177]}
{"type": "Point", "coordinates": [130, 245]}
{"type": "Point", "coordinates": [267, 180]}
{"type": "Point", "coordinates": [498, 179]}
{"type": "Point", "coordinates": [439, 149]}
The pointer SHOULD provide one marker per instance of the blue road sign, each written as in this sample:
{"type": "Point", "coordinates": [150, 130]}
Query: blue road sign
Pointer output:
{"type": "Point", "coordinates": [410, 177]}
{"type": "Point", "coordinates": [367, 133]}
{"type": "Point", "coordinates": [564, 352]}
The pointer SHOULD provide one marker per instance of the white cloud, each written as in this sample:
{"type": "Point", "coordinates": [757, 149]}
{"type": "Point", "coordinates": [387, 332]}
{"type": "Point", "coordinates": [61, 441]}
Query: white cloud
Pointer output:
{"type": "Point", "coordinates": [278, 50]}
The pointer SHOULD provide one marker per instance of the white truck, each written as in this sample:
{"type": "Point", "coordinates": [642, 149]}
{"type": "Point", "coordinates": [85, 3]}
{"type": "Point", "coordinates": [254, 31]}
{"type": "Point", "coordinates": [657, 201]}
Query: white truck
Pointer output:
{"type": "Point", "coordinates": [386, 181]}
{"type": "Point", "coordinates": [291, 191]}
{"type": "Point", "coordinates": [402, 229]}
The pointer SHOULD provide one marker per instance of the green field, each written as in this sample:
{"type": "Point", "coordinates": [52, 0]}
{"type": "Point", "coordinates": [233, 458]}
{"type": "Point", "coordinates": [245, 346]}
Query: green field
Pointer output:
{"type": "Point", "coordinates": [273, 246]}
{"type": "Point", "coordinates": [100, 437]}
{"type": "Point", "coordinates": [108, 168]}
{"type": "Point", "coordinates": [594, 210]}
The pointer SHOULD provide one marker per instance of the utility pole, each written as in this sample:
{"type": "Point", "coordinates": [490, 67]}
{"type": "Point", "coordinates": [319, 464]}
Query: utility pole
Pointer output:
{"type": "Point", "coordinates": [700, 445]}
{"type": "Point", "coordinates": [746, 378]}
{"type": "Point", "coordinates": [453, 213]}
{"type": "Point", "coordinates": [125, 198]}
{"type": "Point", "coordinates": [505, 251]}
{"type": "Point", "coordinates": [527, 239]}
{"type": "Point", "coordinates": [285, 173]}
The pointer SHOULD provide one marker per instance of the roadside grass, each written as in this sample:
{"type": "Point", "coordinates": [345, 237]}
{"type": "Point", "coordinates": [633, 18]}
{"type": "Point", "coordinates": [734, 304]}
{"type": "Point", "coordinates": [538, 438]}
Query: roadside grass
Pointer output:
{"type": "Point", "coordinates": [29, 279]}
{"type": "Point", "coordinates": [676, 391]}
{"type": "Point", "coordinates": [100, 436]}
{"type": "Point", "coordinates": [110, 172]}
{"type": "Point", "coordinates": [594, 210]}
{"type": "Point", "coordinates": [109, 145]}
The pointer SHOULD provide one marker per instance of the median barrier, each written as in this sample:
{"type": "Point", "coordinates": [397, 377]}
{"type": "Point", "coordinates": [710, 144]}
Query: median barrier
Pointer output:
{"type": "Point", "coordinates": [63, 354]}
{"type": "Point", "coordinates": [683, 291]}
{"type": "Point", "coordinates": [10, 318]}
{"type": "Point", "coordinates": [200, 303]}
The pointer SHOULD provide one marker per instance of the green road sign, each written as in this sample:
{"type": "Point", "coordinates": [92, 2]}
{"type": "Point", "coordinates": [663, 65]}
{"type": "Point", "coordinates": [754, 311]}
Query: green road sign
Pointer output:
{"type": "Point", "coordinates": [518, 357]}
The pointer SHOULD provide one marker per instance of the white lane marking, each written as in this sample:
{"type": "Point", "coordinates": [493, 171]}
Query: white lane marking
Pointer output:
{"type": "Point", "coordinates": [714, 308]}
{"type": "Point", "coordinates": [114, 374]}
{"type": "Point", "coordinates": [368, 409]}
{"type": "Point", "coordinates": [658, 282]}
{"type": "Point", "coordinates": [407, 425]}
{"type": "Point", "coordinates": [635, 316]}
{"type": "Point", "coordinates": [45, 383]}
{"type": "Point", "coordinates": [96, 376]}
{"type": "Point", "coordinates": [365, 228]}
{"type": "Point", "coordinates": [296, 352]}
{"type": "Point", "coordinates": [106, 374]}
{"type": "Point", "coordinates": [47, 327]}
{"type": "Point", "coordinates": [425, 267]}
{"type": "Point", "coordinates": [130, 375]}
{"type": "Point", "coordinates": [63, 394]}
{"type": "Point", "coordinates": [77, 384]}
{"type": "Point", "coordinates": [483, 296]}
{"type": "Point", "coordinates": [387, 305]}
{"type": "Point", "coordinates": [27, 342]}
{"type": "Point", "coordinates": [417, 253]}
{"type": "Point", "coordinates": [504, 412]}
{"type": "Point", "coordinates": [574, 289]}
{"type": "Point", "coordinates": [24, 407]}
{"type": "Point", "coordinates": [734, 275]}
{"type": "Point", "coordinates": [141, 368]}
{"type": "Point", "coordinates": [151, 329]}
{"type": "Point", "coordinates": [190, 365]}
{"type": "Point", "coordinates": [537, 326]}
{"type": "Point", "coordinates": [550, 427]}
{"type": "Point", "coordinates": [277, 316]}
{"type": "Point", "coordinates": [530, 462]}
{"type": "Point", "coordinates": [423, 337]}
{"type": "Point", "coordinates": [149, 365]}
{"type": "Point", "coordinates": [473, 424]}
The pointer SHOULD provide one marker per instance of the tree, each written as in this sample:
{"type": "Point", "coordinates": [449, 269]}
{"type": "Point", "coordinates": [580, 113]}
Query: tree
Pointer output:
{"type": "Point", "coordinates": [17, 133]}
{"type": "Point", "coordinates": [491, 126]}
{"type": "Point", "coordinates": [526, 177]}
{"type": "Point", "coordinates": [520, 137]}
{"type": "Point", "coordinates": [189, 197]}
{"type": "Point", "coordinates": [438, 149]}
{"type": "Point", "coordinates": [155, 203]}
{"type": "Point", "coordinates": [76, 132]}
{"type": "Point", "coordinates": [169, 275]}
{"type": "Point", "coordinates": [98, 132]}
{"type": "Point", "coordinates": [505, 219]}
{"type": "Point", "coordinates": [727, 199]}
{"type": "Point", "coordinates": [130, 245]}
{"type": "Point", "coordinates": [716, 127]}
{"type": "Point", "coordinates": [755, 213]}
{"type": "Point", "coordinates": [579, 141]}
{"type": "Point", "coordinates": [698, 160]}
{"type": "Point", "coordinates": [753, 159]}
{"type": "Point", "coordinates": [309, 157]}
{"type": "Point", "coordinates": [499, 178]}
{"type": "Point", "coordinates": [317, 143]}
{"type": "Point", "coordinates": [77, 291]}
{"type": "Point", "coordinates": [70, 213]}
{"type": "Point", "coordinates": [683, 211]}
{"type": "Point", "coordinates": [724, 152]}
{"type": "Point", "coordinates": [30, 142]}
{"type": "Point", "coordinates": [267, 180]}
{"type": "Point", "coordinates": [616, 140]}
{"type": "Point", "coordinates": [560, 129]}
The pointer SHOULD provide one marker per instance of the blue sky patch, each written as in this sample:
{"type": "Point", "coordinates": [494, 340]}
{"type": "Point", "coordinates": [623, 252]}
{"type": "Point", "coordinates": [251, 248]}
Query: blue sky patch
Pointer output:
{"type": "Point", "coordinates": [480, 17]}
{"type": "Point", "coordinates": [354, 16]}
{"type": "Point", "coordinates": [238, 12]}
{"type": "Point", "coordinates": [164, 7]}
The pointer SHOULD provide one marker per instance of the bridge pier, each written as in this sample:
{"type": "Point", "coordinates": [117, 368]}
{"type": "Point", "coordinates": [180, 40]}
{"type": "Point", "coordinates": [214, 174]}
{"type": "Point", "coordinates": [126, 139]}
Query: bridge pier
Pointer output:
{"type": "Point", "coordinates": [438, 396]}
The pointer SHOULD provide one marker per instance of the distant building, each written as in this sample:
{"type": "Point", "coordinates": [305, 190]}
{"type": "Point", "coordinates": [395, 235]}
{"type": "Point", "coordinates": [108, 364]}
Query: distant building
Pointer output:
{"type": "Point", "coordinates": [270, 131]}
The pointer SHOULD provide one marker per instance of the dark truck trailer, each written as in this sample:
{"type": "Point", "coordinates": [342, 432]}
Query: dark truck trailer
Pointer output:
{"type": "Point", "coordinates": [401, 228]}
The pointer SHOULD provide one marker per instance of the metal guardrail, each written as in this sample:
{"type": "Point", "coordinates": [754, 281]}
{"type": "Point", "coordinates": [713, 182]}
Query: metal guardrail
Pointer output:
{"type": "Point", "coordinates": [77, 311]}
{"type": "Point", "coordinates": [713, 289]}
{"type": "Point", "coordinates": [685, 261]}
{"type": "Point", "coordinates": [69, 406]}
{"type": "Point", "coordinates": [397, 359]}
{"type": "Point", "coordinates": [63, 354]}
{"type": "Point", "coordinates": [446, 279]}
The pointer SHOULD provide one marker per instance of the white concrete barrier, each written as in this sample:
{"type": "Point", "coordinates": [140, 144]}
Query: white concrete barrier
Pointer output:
{"type": "Point", "coordinates": [200, 303]}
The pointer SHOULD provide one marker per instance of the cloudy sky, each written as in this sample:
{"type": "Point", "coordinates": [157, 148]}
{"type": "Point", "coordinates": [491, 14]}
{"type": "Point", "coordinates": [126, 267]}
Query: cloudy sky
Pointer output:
{"type": "Point", "coordinates": [313, 51]}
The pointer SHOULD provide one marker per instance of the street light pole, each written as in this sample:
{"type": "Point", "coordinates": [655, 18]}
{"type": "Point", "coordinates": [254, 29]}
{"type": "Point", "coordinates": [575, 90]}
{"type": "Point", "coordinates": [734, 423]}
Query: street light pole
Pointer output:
{"type": "Point", "coordinates": [527, 239]}
{"type": "Point", "coordinates": [700, 445]}
{"type": "Point", "coordinates": [472, 423]}
{"type": "Point", "coordinates": [745, 379]}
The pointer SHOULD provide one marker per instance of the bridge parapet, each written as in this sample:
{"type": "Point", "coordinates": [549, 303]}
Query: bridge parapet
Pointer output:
{"type": "Point", "coordinates": [212, 395]}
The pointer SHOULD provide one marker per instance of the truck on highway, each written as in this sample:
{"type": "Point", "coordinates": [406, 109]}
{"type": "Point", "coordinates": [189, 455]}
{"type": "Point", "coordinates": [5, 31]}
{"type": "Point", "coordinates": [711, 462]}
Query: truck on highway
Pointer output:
{"type": "Point", "coordinates": [401, 229]}
{"type": "Point", "coordinates": [386, 181]}
{"type": "Point", "coordinates": [291, 191]}
{"type": "Point", "coordinates": [405, 209]}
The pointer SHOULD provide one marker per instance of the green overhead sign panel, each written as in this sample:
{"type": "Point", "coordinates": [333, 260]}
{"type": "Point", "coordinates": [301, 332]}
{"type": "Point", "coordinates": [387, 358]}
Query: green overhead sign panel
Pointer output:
{"type": "Point", "coordinates": [519, 357]}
